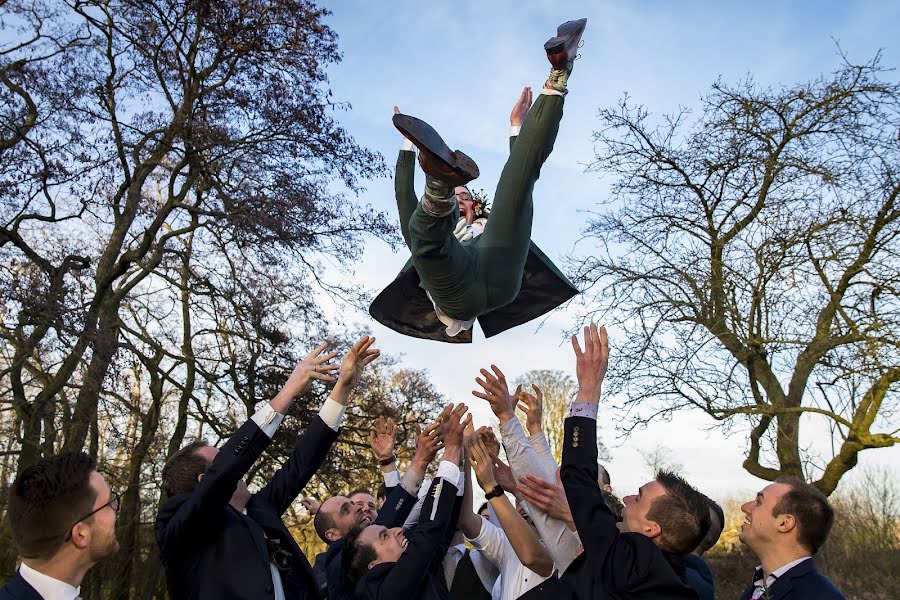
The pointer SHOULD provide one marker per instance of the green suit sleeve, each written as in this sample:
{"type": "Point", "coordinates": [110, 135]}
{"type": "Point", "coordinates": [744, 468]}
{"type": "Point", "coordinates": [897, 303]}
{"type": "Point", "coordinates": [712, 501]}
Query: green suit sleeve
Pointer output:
{"type": "Point", "coordinates": [404, 189]}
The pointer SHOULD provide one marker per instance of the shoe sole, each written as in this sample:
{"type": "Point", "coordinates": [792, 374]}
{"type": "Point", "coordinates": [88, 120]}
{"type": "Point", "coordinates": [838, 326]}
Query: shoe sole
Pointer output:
{"type": "Point", "coordinates": [568, 32]}
{"type": "Point", "coordinates": [426, 139]}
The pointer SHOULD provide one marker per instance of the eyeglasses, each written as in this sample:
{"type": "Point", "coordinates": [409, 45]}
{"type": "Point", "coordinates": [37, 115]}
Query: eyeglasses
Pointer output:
{"type": "Point", "coordinates": [113, 504]}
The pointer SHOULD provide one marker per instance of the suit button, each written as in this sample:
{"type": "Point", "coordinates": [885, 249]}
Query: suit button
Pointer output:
{"type": "Point", "coordinates": [575, 444]}
{"type": "Point", "coordinates": [237, 450]}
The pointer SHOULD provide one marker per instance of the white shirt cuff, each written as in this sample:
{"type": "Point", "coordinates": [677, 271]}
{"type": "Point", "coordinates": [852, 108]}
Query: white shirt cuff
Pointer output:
{"type": "Point", "coordinates": [407, 146]}
{"type": "Point", "coordinates": [267, 419]}
{"type": "Point", "coordinates": [392, 479]}
{"type": "Point", "coordinates": [514, 130]}
{"type": "Point", "coordinates": [584, 409]}
{"type": "Point", "coordinates": [449, 472]}
{"type": "Point", "coordinates": [332, 413]}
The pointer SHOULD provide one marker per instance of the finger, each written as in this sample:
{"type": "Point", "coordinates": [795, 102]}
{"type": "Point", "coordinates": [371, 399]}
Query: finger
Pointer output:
{"type": "Point", "coordinates": [489, 376]}
{"type": "Point", "coordinates": [317, 350]}
{"type": "Point", "coordinates": [523, 406]}
{"type": "Point", "coordinates": [418, 430]}
{"type": "Point", "coordinates": [372, 356]}
{"type": "Point", "coordinates": [330, 367]}
{"type": "Point", "coordinates": [322, 376]}
{"type": "Point", "coordinates": [372, 438]}
{"type": "Point", "coordinates": [577, 347]}
{"type": "Point", "coordinates": [595, 336]}
{"type": "Point", "coordinates": [604, 343]}
{"type": "Point", "coordinates": [480, 395]}
{"type": "Point", "coordinates": [467, 421]}
{"type": "Point", "coordinates": [396, 110]}
{"type": "Point", "coordinates": [325, 357]}
{"type": "Point", "coordinates": [538, 483]}
{"type": "Point", "coordinates": [501, 378]}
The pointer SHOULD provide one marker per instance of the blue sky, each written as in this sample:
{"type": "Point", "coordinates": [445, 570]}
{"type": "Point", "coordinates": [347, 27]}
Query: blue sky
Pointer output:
{"type": "Point", "coordinates": [461, 65]}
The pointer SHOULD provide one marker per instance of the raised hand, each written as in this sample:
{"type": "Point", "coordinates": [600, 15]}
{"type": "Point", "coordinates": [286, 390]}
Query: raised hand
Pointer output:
{"type": "Point", "coordinates": [383, 438]}
{"type": "Point", "coordinates": [496, 392]}
{"type": "Point", "coordinates": [591, 364]}
{"type": "Point", "coordinates": [487, 437]}
{"type": "Point", "coordinates": [453, 430]}
{"type": "Point", "coordinates": [503, 474]}
{"type": "Point", "coordinates": [314, 366]}
{"type": "Point", "coordinates": [532, 406]}
{"type": "Point", "coordinates": [482, 465]}
{"type": "Point", "coordinates": [547, 497]}
{"type": "Point", "coordinates": [521, 108]}
{"type": "Point", "coordinates": [428, 442]}
{"type": "Point", "coordinates": [352, 366]}
{"type": "Point", "coordinates": [310, 504]}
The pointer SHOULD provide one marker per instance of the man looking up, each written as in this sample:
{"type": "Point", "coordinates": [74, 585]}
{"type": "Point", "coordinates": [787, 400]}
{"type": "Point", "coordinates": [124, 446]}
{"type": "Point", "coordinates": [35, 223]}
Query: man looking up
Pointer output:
{"type": "Point", "coordinates": [62, 515]}
{"type": "Point", "coordinates": [384, 563]}
{"type": "Point", "coordinates": [643, 555]}
{"type": "Point", "coordinates": [785, 525]}
{"type": "Point", "coordinates": [339, 514]}
{"type": "Point", "coordinates": [216, 539]}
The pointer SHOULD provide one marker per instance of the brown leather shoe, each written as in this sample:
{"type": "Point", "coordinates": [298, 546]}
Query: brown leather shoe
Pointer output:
{"type": "Point", "coordinates": [562, 49]}
{"type": "Point", "coordinates": [449, 166]}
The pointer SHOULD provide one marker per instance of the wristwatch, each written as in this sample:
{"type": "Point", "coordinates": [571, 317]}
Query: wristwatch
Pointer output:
{"type": "Point", "coordinates": [387, 461]}
{"type": "Point", "coordinates": [494, 493]}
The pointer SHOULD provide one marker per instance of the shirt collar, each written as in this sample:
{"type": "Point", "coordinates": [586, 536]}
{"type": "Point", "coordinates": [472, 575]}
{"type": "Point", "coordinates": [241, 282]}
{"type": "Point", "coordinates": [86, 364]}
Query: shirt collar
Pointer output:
{"type": "Point", "coordinates": [758, 576]}
{"type": "Point", "coordinates": [48, 587]}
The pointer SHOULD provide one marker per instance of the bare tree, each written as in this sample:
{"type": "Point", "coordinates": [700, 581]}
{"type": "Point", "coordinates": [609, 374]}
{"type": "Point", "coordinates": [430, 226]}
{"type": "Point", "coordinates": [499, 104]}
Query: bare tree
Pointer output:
{"type": "Point", "coordinates": [750, 261]}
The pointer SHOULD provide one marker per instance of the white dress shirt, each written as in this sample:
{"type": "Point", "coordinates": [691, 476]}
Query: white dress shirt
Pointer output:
{"type": "Point", "coordinates": [268, 419]}
{"type": "Point", "coordinates": [515, 578]}
{"type": "Point", "coordinates": [48, 587]}
{"type": "Point", "coordinates": [760, 586]}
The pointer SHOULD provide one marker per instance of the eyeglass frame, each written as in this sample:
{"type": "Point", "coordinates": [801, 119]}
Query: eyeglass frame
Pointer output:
{"type": "Point", "coordinates": [114, 499]}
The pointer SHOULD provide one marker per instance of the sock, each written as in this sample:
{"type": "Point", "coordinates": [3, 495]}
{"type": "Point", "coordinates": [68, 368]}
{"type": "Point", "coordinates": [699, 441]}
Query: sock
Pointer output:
{"type": "Point", "coordinates": [439, 199]}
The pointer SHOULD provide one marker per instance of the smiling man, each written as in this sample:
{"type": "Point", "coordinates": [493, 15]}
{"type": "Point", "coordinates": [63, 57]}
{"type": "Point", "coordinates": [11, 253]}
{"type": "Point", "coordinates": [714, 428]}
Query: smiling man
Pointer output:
{"type": "Point", "coordinates": [384, 563]}
{"type": "Point", "coordinates": [785, 525]}
{"type": "Point", "coordinates": [643, 555]}
{"type": "Point", "coordinates": [62, 516]}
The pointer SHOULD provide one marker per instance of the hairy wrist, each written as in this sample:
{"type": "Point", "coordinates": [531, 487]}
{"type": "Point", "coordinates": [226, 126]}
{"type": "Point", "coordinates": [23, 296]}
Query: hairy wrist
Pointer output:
{"type": "Point", "coordinates": [588, 394]}
{"type": "Point", "coordinates": [505, 416]}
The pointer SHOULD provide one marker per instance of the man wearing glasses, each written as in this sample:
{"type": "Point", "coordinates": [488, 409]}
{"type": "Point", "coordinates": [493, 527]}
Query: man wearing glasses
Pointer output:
{"type": "Point", "coordinates": [63, 519]}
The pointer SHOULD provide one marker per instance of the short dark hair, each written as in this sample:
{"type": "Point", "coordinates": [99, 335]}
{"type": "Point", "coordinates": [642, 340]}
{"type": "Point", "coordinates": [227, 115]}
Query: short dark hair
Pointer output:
{"type": "Point", "coordinates": [682, 514]}
{"type": "Point", "coordinates": [356, 556]}
{"type": "Point", "coordinates": [322, 522]}
{"type": "Point", "coordinates": [613, 503]}
{"type": "Point", "coordinates": [382, 492]}
{"type": "Point", "coordinates": [359, 491]}
{"type": "Point", "coordinates": [482, 508]}
{"type": "Point", "coordinates": [810, 508]}
{"type": "Point", "coordinates": [179, 475]}
{"type": "Point", "coordinates": [47, 499]}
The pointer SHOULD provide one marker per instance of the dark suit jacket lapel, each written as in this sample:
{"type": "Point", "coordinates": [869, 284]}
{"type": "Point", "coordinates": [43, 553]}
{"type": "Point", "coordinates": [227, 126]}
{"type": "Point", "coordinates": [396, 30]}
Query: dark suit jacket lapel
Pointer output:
{"type": "Point", "coordinates": [783, 587]}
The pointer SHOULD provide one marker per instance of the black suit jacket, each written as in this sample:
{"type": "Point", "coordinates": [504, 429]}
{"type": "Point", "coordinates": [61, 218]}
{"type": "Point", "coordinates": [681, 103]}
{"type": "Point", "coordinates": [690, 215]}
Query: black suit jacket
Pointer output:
{"type": "Point", "coordinates": [614, 564]}
{"type": "Point", "coordinates": [801, 582]}
{"type": "Point", "coordinates": [211, 551]}
{"type": "Point", "coordinates": [414, 575]}
{"type": "Point", "coordinates": [18, 589]}
{"type": "Point", "coordinates": [338, 586]}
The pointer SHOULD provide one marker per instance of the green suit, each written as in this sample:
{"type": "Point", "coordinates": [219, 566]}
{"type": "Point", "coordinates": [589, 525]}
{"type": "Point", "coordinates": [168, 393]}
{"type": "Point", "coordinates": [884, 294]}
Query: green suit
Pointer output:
{"type": "Point", "coordinates": [500, 277]}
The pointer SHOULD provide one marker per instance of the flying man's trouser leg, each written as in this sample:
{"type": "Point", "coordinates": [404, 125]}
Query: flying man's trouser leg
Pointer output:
{"type": "Point", "coordinates": [503, 247]}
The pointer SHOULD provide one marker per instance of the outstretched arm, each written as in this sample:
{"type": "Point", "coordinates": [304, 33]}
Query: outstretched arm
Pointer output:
{"type": "Point", "coordinates": [313, 444]}
{"type": "Point", "coordinates": [595, 523]}
{"type": "Point", "coordinates": [517, 116]}
{"type": "Point", "coordinates": [561, 542]}
{"type": "Point", "coordinates": [522, 536]}
{"type": "Point", "coordinates": [405, 184]}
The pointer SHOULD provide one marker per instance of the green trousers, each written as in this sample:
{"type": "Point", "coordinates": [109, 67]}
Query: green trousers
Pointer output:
{"type": "Point", "coordinates": [469, 279]}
